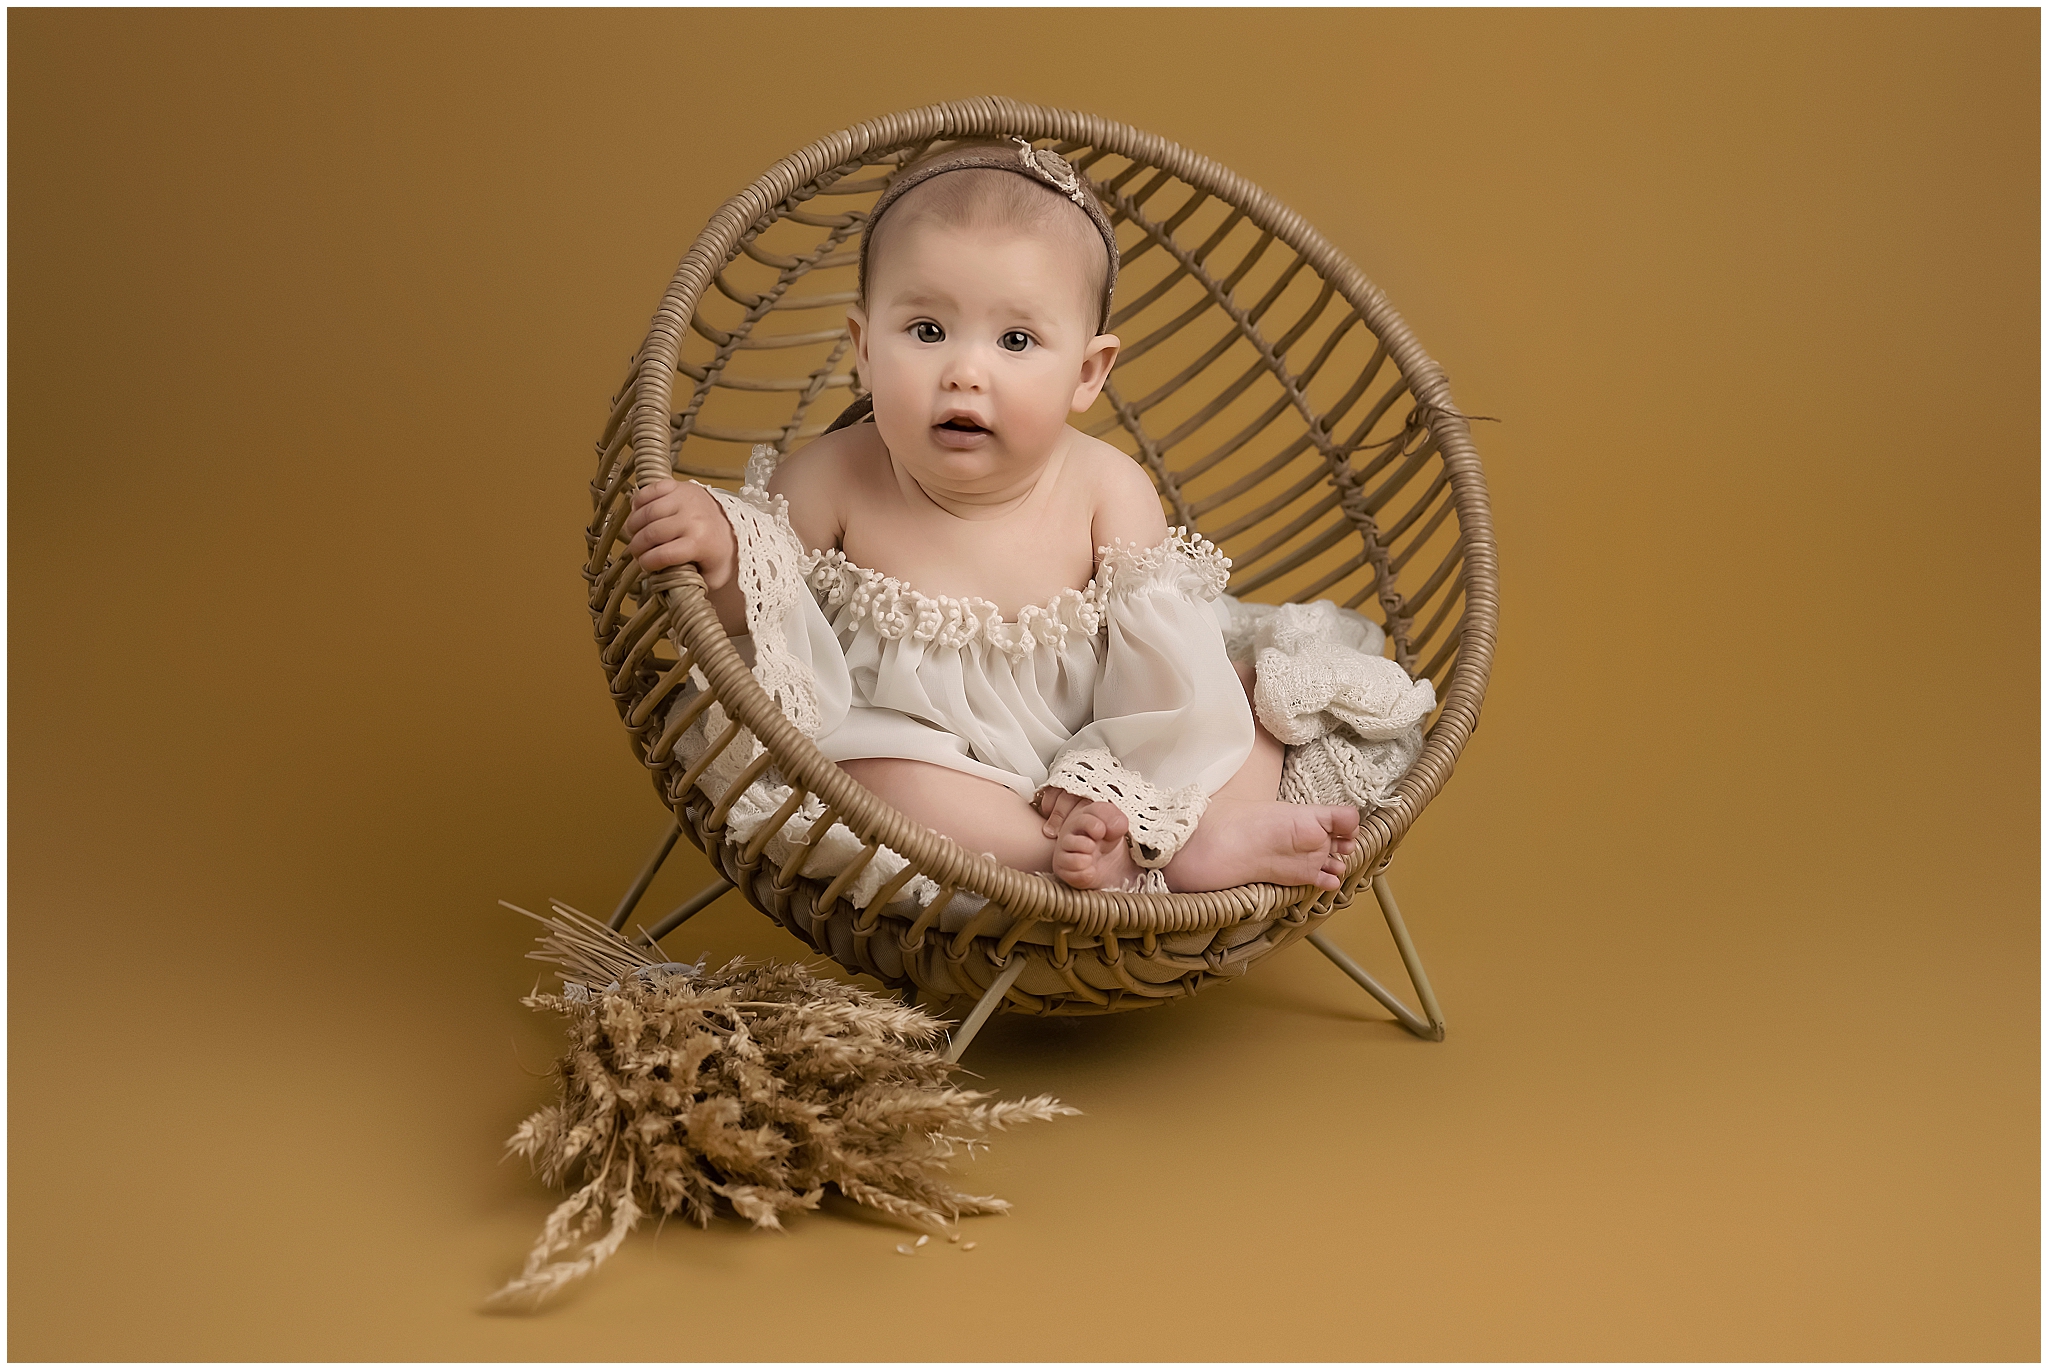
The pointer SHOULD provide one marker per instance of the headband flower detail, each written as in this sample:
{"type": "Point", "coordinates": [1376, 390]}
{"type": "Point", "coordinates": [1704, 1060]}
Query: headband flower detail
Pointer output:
{"type": "Point", "coordinates": [1051, 168]}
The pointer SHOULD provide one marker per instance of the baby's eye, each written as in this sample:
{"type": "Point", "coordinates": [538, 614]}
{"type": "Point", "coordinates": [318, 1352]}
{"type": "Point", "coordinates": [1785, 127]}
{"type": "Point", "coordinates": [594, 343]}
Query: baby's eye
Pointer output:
{"type": "Point", "coordinates": [928, 332]}
{"type": "Point", "coordinates": [1016, 340]}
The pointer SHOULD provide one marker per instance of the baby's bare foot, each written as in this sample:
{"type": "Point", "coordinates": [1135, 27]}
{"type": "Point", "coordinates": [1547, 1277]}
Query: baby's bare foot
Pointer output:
{"type": "Point", "coordinates": [1090, 853]}
{"type": "Point", "coordinates": [1241, 841]}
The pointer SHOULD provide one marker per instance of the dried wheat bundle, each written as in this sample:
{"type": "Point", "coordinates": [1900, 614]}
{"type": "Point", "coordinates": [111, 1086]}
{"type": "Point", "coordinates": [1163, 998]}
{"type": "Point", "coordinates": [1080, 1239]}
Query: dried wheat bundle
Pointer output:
{"type": "Point", "coordinates": [759, 1084]}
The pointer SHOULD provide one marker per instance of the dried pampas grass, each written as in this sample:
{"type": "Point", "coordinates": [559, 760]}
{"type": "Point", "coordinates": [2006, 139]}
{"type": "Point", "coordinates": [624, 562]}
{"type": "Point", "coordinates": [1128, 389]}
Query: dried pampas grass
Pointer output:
{"type": "Point", "coordinates": [754, 1084]}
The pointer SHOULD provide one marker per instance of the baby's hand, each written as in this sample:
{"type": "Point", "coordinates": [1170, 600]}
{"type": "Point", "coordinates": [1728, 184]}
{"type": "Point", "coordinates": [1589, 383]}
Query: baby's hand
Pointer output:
{"type": "Point", "coordinates": [1056, 805]}
{"type": "Point", "coordinates": [674, 523]}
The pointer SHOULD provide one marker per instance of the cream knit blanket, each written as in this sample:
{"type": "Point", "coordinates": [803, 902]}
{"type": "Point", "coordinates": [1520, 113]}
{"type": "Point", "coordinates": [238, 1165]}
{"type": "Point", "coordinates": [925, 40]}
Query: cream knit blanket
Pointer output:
{"type": "Point", "coordinates": [1351, 719]}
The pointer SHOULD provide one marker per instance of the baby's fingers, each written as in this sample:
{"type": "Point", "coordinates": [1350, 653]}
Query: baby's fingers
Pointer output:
{"type": "Point", "coordinates": [665, 538]}
{"type": "Point", "coordinates": [663, 499]}
{"type": "Point", "coordinates": [654, 489]}
{"type": "Point", "coordinates": [644, 510]}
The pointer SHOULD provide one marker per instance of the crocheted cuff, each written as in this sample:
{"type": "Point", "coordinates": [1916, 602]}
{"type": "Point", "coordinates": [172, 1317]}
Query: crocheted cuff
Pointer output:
{"type": "Point", "coordinates": [1162, 820]}
{"type": "Point", "coordinates": [770, 569]}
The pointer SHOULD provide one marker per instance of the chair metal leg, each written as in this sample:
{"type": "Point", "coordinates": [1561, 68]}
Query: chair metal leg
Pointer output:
{"type": "Point", "coordinates": [1417, 976]}
{"type": "Point", "coordinates": [987, 1006]}
{"type": "Point", "coordinates": [688, 909]}
{"type": "Point", "coordinates": [646, 876]}
{"type": "Point", "coordinates": [1433, 1029]}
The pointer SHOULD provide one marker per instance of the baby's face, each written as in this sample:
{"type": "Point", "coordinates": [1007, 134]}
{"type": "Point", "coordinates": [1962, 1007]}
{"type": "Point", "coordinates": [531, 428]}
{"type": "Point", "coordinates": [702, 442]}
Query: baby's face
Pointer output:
{"type": "Point", "coordinates": [977, 344]}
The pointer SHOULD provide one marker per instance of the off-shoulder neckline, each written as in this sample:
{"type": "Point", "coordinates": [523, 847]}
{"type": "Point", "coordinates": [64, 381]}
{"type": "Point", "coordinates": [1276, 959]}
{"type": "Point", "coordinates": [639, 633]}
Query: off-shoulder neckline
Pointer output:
{"type": "Point", "coordinates": [898, 609]}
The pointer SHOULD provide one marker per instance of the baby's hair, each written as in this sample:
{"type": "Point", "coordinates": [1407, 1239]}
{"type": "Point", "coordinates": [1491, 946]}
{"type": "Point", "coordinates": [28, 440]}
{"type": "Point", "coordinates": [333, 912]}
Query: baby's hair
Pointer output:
{"type": "Point", "coordinates": [985, 197]}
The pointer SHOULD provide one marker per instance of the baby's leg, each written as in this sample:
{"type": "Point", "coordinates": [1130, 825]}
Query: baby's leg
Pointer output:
{"type": "Point", "coordinates": [1086, 849]}
{"type": "Point", "coordinates": [1248, 835]}
{"type": "Point", "coordinates": [1245, 835]}
{"type": "Point", "coordinates": [980, 815]}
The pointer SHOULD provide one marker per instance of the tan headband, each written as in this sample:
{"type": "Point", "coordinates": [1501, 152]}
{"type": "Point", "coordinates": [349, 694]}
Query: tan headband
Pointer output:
{"type": "Point", "coordinates": [1042, 165]}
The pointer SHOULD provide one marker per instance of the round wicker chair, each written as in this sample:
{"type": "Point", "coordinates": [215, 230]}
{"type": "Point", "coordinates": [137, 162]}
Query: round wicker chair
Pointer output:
{"type": "Point", "coordinates": [1283, 410]}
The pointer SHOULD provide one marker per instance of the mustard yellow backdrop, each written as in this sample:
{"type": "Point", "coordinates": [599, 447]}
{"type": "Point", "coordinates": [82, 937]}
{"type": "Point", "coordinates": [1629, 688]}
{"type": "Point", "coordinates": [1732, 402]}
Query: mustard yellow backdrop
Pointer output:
{"type": "Point", "coordinates": [1732, 905]}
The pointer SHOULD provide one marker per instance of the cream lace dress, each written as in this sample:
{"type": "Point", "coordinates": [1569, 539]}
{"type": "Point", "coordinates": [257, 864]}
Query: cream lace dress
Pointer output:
{"type": "Point", "coordinates": [1119, 691]}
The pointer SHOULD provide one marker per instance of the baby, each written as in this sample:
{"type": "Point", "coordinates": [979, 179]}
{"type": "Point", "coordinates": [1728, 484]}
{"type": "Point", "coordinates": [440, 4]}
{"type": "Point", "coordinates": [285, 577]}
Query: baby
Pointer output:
{"type": "Point", "coordinates": [1054, 691]}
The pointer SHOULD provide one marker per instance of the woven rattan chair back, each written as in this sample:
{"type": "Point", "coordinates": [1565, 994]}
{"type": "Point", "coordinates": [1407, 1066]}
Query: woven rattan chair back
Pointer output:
{"type": "Point", "coordinates": [1282, 408]}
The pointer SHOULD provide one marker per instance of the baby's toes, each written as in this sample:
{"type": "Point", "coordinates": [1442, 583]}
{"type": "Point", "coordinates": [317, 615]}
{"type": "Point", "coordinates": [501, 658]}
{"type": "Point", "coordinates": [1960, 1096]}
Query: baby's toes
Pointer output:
{"type": "Point", "coordinates": [1310, 839]}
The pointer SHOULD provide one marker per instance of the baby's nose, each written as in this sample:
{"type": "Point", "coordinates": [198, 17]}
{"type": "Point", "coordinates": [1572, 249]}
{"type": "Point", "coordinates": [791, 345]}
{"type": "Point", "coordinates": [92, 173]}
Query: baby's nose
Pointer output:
{"type": "Point", "coordinates": [964, 371]}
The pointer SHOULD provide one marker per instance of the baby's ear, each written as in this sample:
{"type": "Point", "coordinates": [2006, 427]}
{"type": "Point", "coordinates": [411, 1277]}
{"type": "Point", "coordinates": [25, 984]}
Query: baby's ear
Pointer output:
{"type": "Point", "coordinates": [1096, 359]}
{"type": "Point", "coordinates": [857, 330]}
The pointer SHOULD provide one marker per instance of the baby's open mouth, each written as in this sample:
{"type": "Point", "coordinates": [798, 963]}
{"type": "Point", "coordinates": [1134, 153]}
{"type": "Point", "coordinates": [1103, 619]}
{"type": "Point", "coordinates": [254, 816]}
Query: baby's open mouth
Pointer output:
{"type": "Point", "coordinates": [963, 426]}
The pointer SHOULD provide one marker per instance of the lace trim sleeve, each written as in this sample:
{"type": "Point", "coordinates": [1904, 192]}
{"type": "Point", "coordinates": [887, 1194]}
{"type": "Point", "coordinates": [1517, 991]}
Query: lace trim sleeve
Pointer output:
{"type": "Point", "coordinates": [1183, 564]}
{"type": "Point", "coordinates": [1162, 819]}
{"type": "Point", "coordinates": [771, 569]}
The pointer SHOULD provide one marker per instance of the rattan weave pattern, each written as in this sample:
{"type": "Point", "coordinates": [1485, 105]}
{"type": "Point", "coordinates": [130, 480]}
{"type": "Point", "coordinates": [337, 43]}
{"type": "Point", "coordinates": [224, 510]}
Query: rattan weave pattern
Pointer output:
{"type": "Point", "coordinates": [1261, 383]}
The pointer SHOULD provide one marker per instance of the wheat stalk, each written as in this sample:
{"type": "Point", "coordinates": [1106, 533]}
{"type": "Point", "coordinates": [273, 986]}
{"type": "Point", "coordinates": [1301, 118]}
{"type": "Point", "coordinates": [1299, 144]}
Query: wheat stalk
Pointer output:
{"type": "Point", "coordinates": [755, 1086]}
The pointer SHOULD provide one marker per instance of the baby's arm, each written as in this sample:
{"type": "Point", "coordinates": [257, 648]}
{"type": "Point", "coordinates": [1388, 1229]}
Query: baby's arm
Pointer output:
{"type": "Point", "coordinates": [676, 523]}
{"type": "Point", "coordinates": [1126, 507]}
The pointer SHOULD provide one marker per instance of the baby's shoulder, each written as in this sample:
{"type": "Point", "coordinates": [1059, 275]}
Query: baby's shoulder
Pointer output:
{"type": "Point", "coordinates": [1123, 502]}
{"type": "Point", "coordinates": [817, 480]}
{"type": "Point", "coordinates": [826, 460]}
